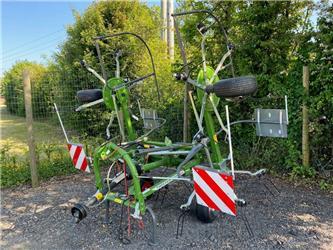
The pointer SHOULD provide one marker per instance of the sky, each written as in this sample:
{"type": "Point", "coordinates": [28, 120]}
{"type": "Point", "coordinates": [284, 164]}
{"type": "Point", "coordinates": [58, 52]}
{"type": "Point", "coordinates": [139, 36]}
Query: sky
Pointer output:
{"type": "Point", "coordinates": [33, 30]}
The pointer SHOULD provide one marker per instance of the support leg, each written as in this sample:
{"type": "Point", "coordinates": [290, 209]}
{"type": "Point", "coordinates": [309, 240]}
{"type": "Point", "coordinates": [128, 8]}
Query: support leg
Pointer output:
{"type": "Point", "coordinates": [107, 212]}
{"type": "Point", "coordinates": [180, 223]}
{"type": "Point", "coordinates": [188, 203]}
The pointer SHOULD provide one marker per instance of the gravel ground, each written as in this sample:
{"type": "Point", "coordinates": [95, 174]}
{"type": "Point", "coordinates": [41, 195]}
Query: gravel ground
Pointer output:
{"type": "Point", "coordinates": [39, 218]}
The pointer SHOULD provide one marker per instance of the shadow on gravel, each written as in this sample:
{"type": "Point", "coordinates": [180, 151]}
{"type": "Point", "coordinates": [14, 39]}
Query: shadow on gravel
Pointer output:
{"type": "Point", "coordinates": [294, 218]}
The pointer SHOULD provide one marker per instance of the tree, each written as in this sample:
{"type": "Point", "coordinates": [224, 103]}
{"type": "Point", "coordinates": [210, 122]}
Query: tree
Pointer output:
{"type": "Point", "coordinates": [321, 89]}
{"type": "Point", "coordinates": [12, 88]}
{"type": "Point", "coordinates": [265, 35]}
{"type": "Point", "coordinates": [107, 17]}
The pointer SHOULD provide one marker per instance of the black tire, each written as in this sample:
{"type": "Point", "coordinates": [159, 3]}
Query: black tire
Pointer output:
{"type": "Point", "coordinates": [204, 213]}
{"type": "Point", "coordinates": [234, 87]}
{"type": "Point", "coordinates": [89, 95]}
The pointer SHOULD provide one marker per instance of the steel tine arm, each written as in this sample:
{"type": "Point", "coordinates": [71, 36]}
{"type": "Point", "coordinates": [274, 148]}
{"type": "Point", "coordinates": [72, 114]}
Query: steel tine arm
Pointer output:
{"type": "Point", "coordinates": [189, 157]}
{"type": "Point", "coordinates": [91, 70]}
{"type": "Point", "coordinates": [220, 66]}
{"type": "Point", "coordinates": [218, 115]}
{"type": "Point", "coordinates": [87, 105]}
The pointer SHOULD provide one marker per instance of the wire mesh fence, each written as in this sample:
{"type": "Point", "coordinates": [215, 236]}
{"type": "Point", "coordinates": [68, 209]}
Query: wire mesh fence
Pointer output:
{"type": "Point", "coordinates": [87, 126]}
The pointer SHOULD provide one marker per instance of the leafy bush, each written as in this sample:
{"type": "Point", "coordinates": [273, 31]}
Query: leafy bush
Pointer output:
{"type": "Point", "coordinates": [108, 17]}
{"type": "Point", "coordinates": [273, 41]}
{"type": "Point", "coordinates": [12, 89]}
{"type": "Point", "coordinates": [52, 161]}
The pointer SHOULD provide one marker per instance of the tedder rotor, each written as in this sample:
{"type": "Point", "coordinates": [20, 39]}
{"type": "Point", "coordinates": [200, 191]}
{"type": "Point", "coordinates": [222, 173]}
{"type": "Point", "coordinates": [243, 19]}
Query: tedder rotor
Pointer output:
{"type": "Point", "coordinates": [199, 162]}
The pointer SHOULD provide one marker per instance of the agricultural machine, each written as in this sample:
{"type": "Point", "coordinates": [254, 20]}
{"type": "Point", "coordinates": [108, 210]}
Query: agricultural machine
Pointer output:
{"type": "Point", "coordinates": [199, 162]}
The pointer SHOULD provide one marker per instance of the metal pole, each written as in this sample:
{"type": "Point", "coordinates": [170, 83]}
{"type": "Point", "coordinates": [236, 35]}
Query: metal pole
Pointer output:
{"type": "Point", "coordinates": [186, 88]}
{"type": "Point", "coordinates": [29, 121]}
{"type": "Point", "coordinates": [305, 130]}
{"type": "Point", "coordinates": [286, 108]}
{"type": "Point", "coordinates": [230, 143]}
{"type": "Point", "coordinates": [62, 125]}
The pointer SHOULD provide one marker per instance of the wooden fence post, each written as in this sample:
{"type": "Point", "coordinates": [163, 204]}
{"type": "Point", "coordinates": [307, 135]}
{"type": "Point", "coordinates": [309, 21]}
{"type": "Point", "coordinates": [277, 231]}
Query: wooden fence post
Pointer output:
{"type": "Point", "coordinates": [29, 120]}
{"type": "Point", "coordinates": [305, 130]}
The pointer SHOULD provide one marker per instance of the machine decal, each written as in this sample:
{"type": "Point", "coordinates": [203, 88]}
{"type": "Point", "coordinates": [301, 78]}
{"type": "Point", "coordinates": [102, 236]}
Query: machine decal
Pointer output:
{"type": "Point", "coordinates": [214, 190]}
{"type": "Point", "coordinates": [78, 157]}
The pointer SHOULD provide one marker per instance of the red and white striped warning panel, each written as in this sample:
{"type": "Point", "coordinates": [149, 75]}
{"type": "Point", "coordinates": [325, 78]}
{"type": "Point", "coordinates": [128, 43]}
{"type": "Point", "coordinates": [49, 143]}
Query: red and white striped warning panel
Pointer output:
{"type": "Point", "coordinates": [78, 156]}
{"type": "Point", "coordinates": [214, 189]}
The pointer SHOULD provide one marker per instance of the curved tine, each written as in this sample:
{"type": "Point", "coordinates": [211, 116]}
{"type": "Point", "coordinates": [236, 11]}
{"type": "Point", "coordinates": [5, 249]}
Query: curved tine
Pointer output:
{"type": "Point", "coordinates": [203, 11]}
{"type": "Point", "coordinates": [220, 66]}
{"type": "Point", "coordinates": [152, 240]}
{"type": "Point", "coordinates": [149, 52]}
{"type": "Point", "coordinates": [89, 104]}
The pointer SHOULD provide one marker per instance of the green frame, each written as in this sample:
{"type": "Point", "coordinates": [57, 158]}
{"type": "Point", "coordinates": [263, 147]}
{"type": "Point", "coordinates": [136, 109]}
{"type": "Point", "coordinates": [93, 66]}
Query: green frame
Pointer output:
{"type": "Point", "coordinates": [111, 150]}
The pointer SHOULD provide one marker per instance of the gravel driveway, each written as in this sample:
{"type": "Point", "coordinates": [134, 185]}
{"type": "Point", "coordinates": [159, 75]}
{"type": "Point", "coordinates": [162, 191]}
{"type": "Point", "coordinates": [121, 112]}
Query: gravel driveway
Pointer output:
{"type": "Point", "coordinates": [40, 218]}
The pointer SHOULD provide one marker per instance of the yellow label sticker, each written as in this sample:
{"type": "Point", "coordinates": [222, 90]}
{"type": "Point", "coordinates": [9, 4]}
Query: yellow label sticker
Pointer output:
{"type": "Point", "coordinates": [118, 200]}
{"type": "Point", "coordinates": [104, 156]}
{"type": "Point", "coordinates": [215, 138]}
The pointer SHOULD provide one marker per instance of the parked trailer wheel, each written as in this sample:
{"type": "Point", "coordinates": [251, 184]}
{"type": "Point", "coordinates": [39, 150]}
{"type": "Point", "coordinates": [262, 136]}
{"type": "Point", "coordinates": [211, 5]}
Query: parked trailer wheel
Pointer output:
{"type": "Point", "coordinates": [89, 95]}
{"type": "Point", "coordinates": [234, 87]}
{"type": "Point", "coordinates": [205, 214]}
